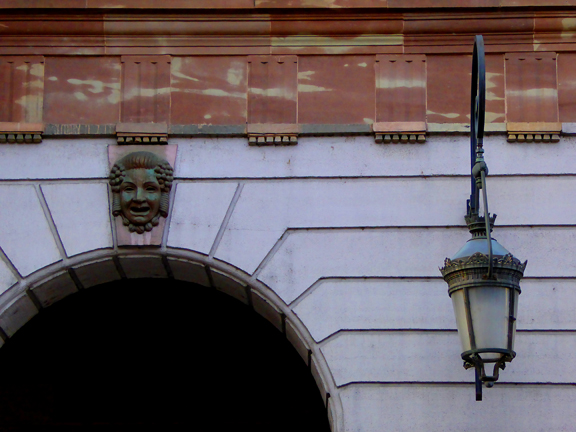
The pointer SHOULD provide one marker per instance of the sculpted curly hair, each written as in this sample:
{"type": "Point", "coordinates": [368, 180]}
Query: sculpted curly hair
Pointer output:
{"type": "Point", "coordinates": [164, 174]}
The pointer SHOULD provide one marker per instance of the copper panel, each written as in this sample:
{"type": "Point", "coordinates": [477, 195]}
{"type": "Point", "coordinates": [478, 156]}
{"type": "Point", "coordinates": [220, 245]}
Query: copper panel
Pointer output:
{"type": "Point", "coordinates": [185, 26]}
{"type": "Point", "coordinates": [82, 90]}
{"type": "Point", "coordinates": [531, 89]}
{"type": "Point", "coordinates": [171, 4]}
{"type": "Point", "coordinates": [272, 83]}
{"type": "Point", "coordinates": [282, 25]}
{"type": "Point", "coordinates": [320, 3]}
{"type": "Point", "coordinates": [448, 88]}
{"type": "Point", "coordinates": [495, 89]}
{"type": "Point", "coordinates": [442, 3]}
{"type": "Point", "coordinates": [336, 49]}
{"type": "Point", "coordinates": [567, 87]}
{"type": "Point", "coordinates": [336, 89]}
{"type": "Point", "coordinates": [50, 25]}
{"type": "Point", "coordinates": [400, 88]}
{"type": "Point", "coordinates": [21, 88]}
{"type": "Point", "coordinates": [209, 90]}
{"type": "Point", "coordinates": [468, 24]}
{"type": "Point", "coordinates": [145, 89]}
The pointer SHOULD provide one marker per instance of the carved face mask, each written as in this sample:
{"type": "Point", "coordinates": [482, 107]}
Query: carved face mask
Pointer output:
{"type": "Point", "coordinates": [140, 195]}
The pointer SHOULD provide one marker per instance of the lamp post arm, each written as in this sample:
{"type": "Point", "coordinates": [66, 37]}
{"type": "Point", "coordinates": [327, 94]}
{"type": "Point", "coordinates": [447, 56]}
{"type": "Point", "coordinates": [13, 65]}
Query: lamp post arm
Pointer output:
{"type": "Point", "coordinates": [487, 222]}
{"type": "Point", "coordinates": [477, 117]}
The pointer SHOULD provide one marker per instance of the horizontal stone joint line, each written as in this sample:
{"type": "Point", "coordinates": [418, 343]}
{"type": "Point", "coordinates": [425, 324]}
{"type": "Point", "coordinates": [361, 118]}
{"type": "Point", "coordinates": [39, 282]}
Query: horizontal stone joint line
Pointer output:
{"type": "Point", "coordinates": [453, 383]}
{"type": "Point", "coordinates": [226, 219]}
{"type": "Point", "coordinates": [340, 332]}
{"type": "Point", "coordinates": [357, 177]}
{"type": "Point", "coordinates": [418, 227]}
{"type": "Point", "coordinates": [324, 341]}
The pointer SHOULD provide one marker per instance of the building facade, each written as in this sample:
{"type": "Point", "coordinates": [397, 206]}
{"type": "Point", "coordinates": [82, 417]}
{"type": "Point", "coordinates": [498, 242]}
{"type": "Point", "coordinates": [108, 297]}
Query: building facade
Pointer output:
{"type": "Point", "coordinates": [321, 169]}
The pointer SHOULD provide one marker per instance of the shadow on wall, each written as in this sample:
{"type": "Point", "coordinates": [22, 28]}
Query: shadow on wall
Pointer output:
{"type": "Point", "coordinates": [156, 352]}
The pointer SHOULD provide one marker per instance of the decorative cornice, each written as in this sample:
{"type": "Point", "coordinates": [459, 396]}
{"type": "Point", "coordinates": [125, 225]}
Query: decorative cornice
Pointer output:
{"type": "Point", "coordinates": [399, 132]}
{"type": "Point", "coordinates": [272, 134]}
{"type": "Point", "coordinates": [29, 133]}
{"type": "Point", "coordinates": [481, 260]}
{"type": "Point", "coordinates": [534, 132]}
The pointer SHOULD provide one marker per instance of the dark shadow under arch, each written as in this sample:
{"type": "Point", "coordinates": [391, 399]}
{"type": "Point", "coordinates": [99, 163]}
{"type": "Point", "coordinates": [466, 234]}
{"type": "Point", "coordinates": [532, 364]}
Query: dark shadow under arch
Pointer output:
{"type": "Point", "coordinates": [156, 352]}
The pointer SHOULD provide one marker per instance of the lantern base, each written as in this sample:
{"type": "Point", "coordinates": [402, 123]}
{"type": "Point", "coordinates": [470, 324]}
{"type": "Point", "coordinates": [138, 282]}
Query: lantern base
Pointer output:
{"type": "Point", "coordinates": [473, 359]}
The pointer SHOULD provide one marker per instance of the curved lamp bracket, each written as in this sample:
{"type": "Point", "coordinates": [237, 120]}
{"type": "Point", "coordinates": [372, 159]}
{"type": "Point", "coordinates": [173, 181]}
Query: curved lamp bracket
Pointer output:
{"type": "Point", "coordinates": [477, 117]}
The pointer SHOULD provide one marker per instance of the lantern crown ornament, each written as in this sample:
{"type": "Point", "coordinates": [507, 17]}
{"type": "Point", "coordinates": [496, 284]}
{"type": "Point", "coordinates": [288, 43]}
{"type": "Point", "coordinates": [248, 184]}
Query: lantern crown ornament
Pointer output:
{"type": "Point", "coordinates": [483, 277]}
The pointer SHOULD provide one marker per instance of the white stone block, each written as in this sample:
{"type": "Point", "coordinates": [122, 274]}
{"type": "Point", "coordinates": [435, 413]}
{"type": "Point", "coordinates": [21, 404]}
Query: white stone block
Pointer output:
{"type": "Point", "coordinates": [16, 314]}
{"type": "Point", "coordinates": [7, 278]}
{"type": "Point", "coordinates": [198, 213]}
{"type": "Point", "coordinates": [246, 248]}
{"type": "Point", "coordinates": [50, 291]}
{"type": "Point", "coordinates": [230, 286]}
{"type": "Point", "coordinates": [389, 304]}
{"type": "Point", "coordinates": [266, 209]}
{"type": "Point", "coordinates": [297, 341]}
{"type": "Point", "coordinates": [360, 156]}
{"type": "Point", "coordinates": [25, 237]}
{"type": "Point", "coordinates": [452, 408]}
{"type": "Point", "coordinates": [189, 271]}
{"type": "Point", "coordinates": [357, 304]}
{"type": "Point", "coordinates": [55, 159]}
{"type": "Point", "coordinates": [143, 267]}
{"type": "Point", "coordinates": [266, 309]}
{"type": "Point", "coordinates": [307, 255]}
{"type": "Point", "coordinates": [547, 304]}
{"type": "Point", "coordinates": [81, 213]}
{"type": "Point", "coordinates": [319, 379]}
{"type": "Point", "coordinates": [97, 272]}
{"type": "Point", "coordinates": [411, 356]}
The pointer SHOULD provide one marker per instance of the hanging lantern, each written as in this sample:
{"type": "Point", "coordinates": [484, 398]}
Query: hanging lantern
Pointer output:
{"type": "Point", "coordinates": [483, 277]}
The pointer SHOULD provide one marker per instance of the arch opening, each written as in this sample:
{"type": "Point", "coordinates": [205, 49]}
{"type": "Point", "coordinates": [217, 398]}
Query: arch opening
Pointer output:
{"type": "Point", "coordinates": [156, 351]}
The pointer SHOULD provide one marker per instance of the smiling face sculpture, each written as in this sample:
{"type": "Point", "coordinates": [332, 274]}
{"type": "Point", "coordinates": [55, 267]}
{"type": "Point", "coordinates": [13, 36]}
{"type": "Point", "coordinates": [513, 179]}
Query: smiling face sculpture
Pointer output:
{"type": "Point", "coordinates": [141, 183]}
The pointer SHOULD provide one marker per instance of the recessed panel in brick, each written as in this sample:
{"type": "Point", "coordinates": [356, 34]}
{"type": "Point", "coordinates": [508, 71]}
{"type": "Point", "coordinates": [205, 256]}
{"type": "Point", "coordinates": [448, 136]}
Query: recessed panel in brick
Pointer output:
{"type": "Point", "coordinates": [145, 89]}
{"type": "Point", "coordinates": [567, 87]}
{"type": "Point", "coordinates": [336, 89]}
{"type": "Point", "coordinates": [495, 91]}
{"type": "Point", "coordinates": [448, 87]}
{"type": "Point", "coordinates": [82, 90]}
{"type": "Point", "coordinates": [531, 87]}
{"type": "Point", "coordinates": [209, 90]}
{"type": "Point", "coordinates": [272, 91]}
{"type": "Point", "coordinates": [21, 88]}
{"type": "Point", "coordinates": [401, 88]}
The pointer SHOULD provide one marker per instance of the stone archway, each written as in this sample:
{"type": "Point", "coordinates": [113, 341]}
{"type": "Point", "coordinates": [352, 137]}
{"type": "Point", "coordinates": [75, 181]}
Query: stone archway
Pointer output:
{"type": "Point", "coordinates": [82, 273]}
{"type": "Point", "coordinates": [121, 354]}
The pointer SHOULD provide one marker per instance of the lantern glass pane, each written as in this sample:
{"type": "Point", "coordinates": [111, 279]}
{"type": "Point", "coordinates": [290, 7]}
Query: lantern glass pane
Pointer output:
{"type": "Point", "coordinates": [461, 321]}
{"type": "Point", "coordinates": [489, 307]}
{"type": "Point", "coordinates": [516, 316]}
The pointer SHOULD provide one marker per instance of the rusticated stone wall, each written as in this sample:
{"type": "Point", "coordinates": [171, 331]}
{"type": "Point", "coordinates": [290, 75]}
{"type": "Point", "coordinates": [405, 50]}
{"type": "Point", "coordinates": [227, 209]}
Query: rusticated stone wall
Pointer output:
{"type": "Point", "coordinates": [337, 241]}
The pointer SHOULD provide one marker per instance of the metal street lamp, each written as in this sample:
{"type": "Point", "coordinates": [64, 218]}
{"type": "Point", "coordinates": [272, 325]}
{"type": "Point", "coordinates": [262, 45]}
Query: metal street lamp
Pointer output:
{"type": "Point", "coordinates": [483, 277]}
